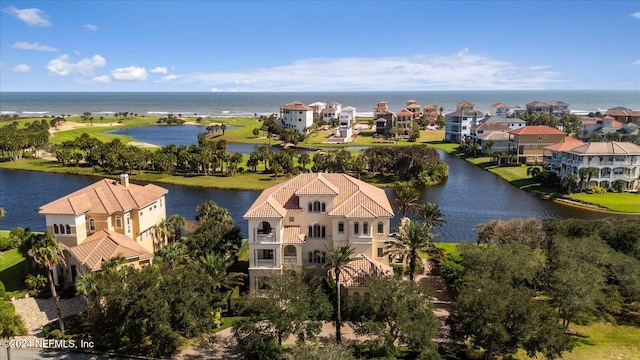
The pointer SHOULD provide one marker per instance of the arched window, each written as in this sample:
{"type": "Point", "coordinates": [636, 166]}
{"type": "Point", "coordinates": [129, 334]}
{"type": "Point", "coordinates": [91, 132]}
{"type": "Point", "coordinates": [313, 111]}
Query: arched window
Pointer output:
{"type": "Point", "coordinates": [289, 250]}
{"type": "Point", "coordinates": [61, 229]}
{"type": "Point", "coordinates": [341, 227]}
{"type": "Point", "coordinates": [380, 228]}
{"type": "Point", "coordinates": [55, 229]}
{"type": "Point", "coordinates": [316, 206]}
{"type": "Point", "coordinates": [310, 206]}
{"type": "Point", "coordinates": [356, 228]}
{"type": "Point", "coordinates": [264, 228]}
{"type": "Point", "coordinates": [365, 228]}
{"type": "Point", "coordinates": [92, 225]}
{"type": "Point", "coordinates": [68, 228]}
{"type": "Point", "coordinates": [324, 207]}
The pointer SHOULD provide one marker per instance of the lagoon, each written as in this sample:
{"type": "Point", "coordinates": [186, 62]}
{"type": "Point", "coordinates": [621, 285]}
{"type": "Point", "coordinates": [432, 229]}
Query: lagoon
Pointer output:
{"type": "Point", "coordinates": [162, 135]}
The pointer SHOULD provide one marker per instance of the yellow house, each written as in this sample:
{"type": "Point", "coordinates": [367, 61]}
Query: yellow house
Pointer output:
{"type": "Point", "coordinates": [291, 223]}
{"type": "Point", "coordinates": [104, 220]}
{"type": "Point", "coordinates": [528, 142]}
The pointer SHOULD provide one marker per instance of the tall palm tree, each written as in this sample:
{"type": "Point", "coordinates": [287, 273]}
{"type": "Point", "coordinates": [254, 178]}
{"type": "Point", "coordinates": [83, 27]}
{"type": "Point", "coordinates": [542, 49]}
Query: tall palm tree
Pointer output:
{"type": "Point", "coordinates": [414, 236]}
{"type": "Point", "coordinates": [177, 222]}
{"type": "Point", "coordinates": [431, 215]}
{"type": "Point", "coordinates": [47, 252]}
{"type": "Point", "coordinates": [338, 259]}
{"type": "Point", "coordinates": [407, 198]}
{"type": "Point", "coordinates": [216, 267]}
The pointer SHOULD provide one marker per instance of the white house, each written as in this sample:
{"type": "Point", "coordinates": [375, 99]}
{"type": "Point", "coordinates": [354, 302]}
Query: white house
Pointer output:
{"type": "Point", "coordinates": [500, 109]}
{"type": "Point", "coordinates": [512, 123]}
{"type": "Point", "coordinates": [346, 120]}
{"type": "Point", "coordinates": [291, 225]}
{"type": "Point", "coordinates": [298, 116]}
{"type": "Point", "coordinates": [332, 111]}
{"type": "Point", "coordinates": [458, 124]}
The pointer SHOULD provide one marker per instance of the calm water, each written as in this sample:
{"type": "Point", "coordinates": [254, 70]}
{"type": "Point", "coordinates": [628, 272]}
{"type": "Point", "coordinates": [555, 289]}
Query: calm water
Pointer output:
{"type": "Point", "coordinates": [162, 135]}
{"type": "Point", "coordinates": [470, 196]}
{"type": "Point", "coordinates": [247, 104]}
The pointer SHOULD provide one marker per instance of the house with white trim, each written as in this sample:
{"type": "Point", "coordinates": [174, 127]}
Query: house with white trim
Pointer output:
{"type": "Point", "coordinates": [297, 116]}
{"type": "Point", "coordinates": [290, 226]}
{"type": "Point", "coordinates": [104, 220]}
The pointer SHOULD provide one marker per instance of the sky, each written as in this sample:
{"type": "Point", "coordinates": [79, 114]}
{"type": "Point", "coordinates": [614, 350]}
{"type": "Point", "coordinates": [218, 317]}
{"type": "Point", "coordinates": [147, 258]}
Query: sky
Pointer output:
{"type": "Point", "coordinates": [318, 45]}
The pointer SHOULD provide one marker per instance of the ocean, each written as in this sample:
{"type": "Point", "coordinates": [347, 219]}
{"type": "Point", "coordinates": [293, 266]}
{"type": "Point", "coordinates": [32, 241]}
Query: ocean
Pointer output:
{"type": "Point", "coordinates": [238, 104]}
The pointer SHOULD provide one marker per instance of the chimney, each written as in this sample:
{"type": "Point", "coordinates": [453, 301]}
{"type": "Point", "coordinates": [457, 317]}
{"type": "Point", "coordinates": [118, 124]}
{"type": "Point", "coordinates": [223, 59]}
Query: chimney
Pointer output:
{"type": "Point", "coordinates": [124, 180]}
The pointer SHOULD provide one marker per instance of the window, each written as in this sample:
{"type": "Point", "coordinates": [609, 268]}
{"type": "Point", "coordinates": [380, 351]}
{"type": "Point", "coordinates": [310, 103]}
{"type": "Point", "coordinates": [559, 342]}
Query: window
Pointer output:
{"type": "Point", "coordinates": [291, 219]}
{"type": "Point", "coordinates": [289, 250]}
{"type": "Point", "coordinates": [317, 257]}
{"type": "Point", "coordinates": [365, 228]}
{"type": "Point", "coordinates": [341, 227]}
{"type": "Point", "coordinates": [267, 254]}
{"type": "Point", "coordinates": [380, 228]}
{"type": "Point", "coordinates": [92, 225]}
{"type": "Point", "coordinates": [61, 229]}
{"type": "Point", "coordinates": [160, 202]}
{"type": "Point", "coordinates": [68, 228]}
{"type": "Point", "coordinates": [317, 231]}
{"type": "Point", "coordinates": [317, 206]}
{"type": "Point", "coordinates": [356, 228]}
{"type": "Point", "coordinates": [380, 252]}
{"type": "Point", "coordinates": [55, 229]}
{"type": "Point", "coordinates": [539, 137]}
{"type": "Point", "coordinates": [310, 207]}
{"type": "Point", "coordinates": [118, 222]}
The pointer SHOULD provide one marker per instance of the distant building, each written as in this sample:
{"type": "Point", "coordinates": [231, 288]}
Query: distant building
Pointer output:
{"type": "Point", "coordinates": [528, 143]}
{"type": "Point", "coordinates": [104, 220]}
{"type": "Point", "coordinates": [624, 115]}
{"type": "Point", "coordinates": [602, 126]}
{"type": "Point", "coordinates": [465, 105]}
{"type": "Point", "coordinates": [414, 107]}
{"type": "Point", "coordinates": [513, 123]}
{"type": "Point", "coordinates": [492, 137]}
{"type": "Point", "coordinates": [331, 112]}
{"type": "Point", "coordinates": [458, 123]}
{"type": "Point", "coordinates": [317, 107]}
{"type": "Point", "coordinates": [430, 113]}
{"type": "Point", "coordinates": [404, 124]}
{"type": "Point", "coordinates": [346, 120]}
{"type": "Point", "coordinates": [297, 116]}
{"type": "Point", "coordinates": [558, 108]}
{"type": "Point", "coordinates": [500, 109]}
{"type": "Point", "coordinates": [383, 118]}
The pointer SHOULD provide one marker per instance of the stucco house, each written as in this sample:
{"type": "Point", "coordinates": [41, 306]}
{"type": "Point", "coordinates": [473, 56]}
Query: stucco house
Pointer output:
{"type": "Point", "coordinates": [558, 108]}
{"type": "Point", "coordinates": [614, 161]}
{"type": "Point", "coordinates": [297, 116]}
{"type": "Point", "coordinates": [291, 224]}
{"type": "Point", "coordinates": [552, 154]}
{"type": "Point", "coordinates": [346, 120]}
{"type": "Point", "coordinates": [500, 109]}
{"type": "Point", "coordinates": [332, 111]}
{"type": "Point", "coordinates": [624, 115]}
{"type": "Point", "coordinates": [404, 124]}
{"type": "Point", "coordinates": [414, 107]}
{"type": "Point", "coordinates": [492, 137]}
{"type": "Point", "coordinates": [528, 143]}
{"type": "Point", "coordinates": [104, 220]}
{"type": "Point", "coordinates": [513, 123]}
{"type": "Point", "coordinates": [458, 123]}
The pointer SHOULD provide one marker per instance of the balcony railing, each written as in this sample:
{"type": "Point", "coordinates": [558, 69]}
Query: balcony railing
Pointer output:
{"type": "Point", "coordinates": [290, 260]}
{"type": "Point", "coordinates": [265, 263]}
{"type": "Point", "coordinates": [265, 237]}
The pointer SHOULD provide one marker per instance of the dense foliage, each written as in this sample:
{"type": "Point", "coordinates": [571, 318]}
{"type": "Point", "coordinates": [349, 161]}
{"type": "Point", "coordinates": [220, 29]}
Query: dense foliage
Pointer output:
{"type": "Point", "coordinates": [420, 164]}
{"type": "Point", "coordinates": [528, 280]}
{"type": "Point", "coordinates": [14, 141]}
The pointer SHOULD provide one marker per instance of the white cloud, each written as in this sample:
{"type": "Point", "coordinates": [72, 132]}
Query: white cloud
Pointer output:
{"type": "Point", "coordinates": [637, 62]}
{"type": "Point", "coordinates": [22, 45]}
{"type": "Point", "coordinates": [32, 16]}
{"type": "Point", "coordinates": [214, 90]}
{"type": "Point", "coordinates": [90, 27]}
{"type": "Point", "coordinates": [104, 79]}
{"type": "Point", "coordinates": [61, 66]}
{"type": "Point", "coordinates": [159, 70]}
{"type": "Point", "coordinates": [131, 73]}
{"type": "Point", "coordinates": [461, 70]}
{"type": "Point", "coordinates": [636, 15]}
{"type": "Point", "coordinates": [22, 68]}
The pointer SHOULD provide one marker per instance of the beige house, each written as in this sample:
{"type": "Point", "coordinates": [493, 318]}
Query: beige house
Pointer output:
{"type": "Point", "coordinates": [528, 143]}
{"type": "Point", "coordinates": [404, 124]}
{"type": "Point", "coordinates": [291, 223]}
{"type": "Point", "coordinates": [104, 220]}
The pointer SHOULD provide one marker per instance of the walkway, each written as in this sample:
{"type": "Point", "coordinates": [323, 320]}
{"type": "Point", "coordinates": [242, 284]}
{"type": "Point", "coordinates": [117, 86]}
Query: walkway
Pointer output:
{"type": "Point", "coordinates": [38, 312]}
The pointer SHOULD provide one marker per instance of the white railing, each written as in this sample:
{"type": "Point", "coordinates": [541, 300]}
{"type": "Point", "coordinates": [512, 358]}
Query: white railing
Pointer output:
{"type": "Point", "coordinates": [290, 260]}
{"type": "Point", "coordinates": [269, 263]}
{"type": "Point", "coordinates": [265, 237]}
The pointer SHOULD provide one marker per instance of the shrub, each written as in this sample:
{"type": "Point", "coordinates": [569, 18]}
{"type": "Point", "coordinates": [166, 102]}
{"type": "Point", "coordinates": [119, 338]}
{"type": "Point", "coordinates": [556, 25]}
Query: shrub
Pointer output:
{"type": "Point", "coordinates": [597, 190]}
{"type": "Point", "coordinates": [5, 244]}
{"type": "Point", "coordinates": [2, 290]}
{"type": "Point", "coordinates": [547, 178]}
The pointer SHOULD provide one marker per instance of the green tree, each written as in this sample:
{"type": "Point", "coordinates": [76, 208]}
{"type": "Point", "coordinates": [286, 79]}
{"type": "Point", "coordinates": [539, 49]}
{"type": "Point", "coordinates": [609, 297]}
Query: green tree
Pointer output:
{"type": "Point", "coordinates": [304, 159]}
{"type": "Point", "coordinates": [397, 311]}
{"type": "Point", "coordinates": [413, 237]}
{"type": "Point", "coordinates": [2, 213]}
{"type": "Point", "coordinates": [431, 214]}
{"type": "Point", "coordinates": [586, 174]}
{"type": "Point", "coordinates": [47, 252]}
{"type": "Point", "coordinates": [407, 198]}
{"type": "Point", "coordinates": [338, 259]}
{"type": "Point", "coordinates": [11, 325]}
{"type": "Point", "coordinates": [256, 132]}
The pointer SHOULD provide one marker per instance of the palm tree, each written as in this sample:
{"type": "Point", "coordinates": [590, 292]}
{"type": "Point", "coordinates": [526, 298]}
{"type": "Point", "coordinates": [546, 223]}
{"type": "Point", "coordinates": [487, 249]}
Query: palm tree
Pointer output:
{"type": "Point", "coordinates": [86, 286]}
{"type": "Point", "coordinates": [216, 268]}
{"type": "Point", "coordinates": [176, 222]}
{"type": "Point", "coordinates": [407, 198]}
{"type": "Point", "coordinates": [47, 252]}
{"type": "Point", "coordinates": [223, 127]}
{"type": "Point", "coordinates": [161, 232]}
{"type": "Point", "coordinates": [10, 325]}
{"type": "Point", "coordinates": [431, 215]}
{"type": "Point", "coordinates": [338, 259]}
{"type": "Point", "coordinates": [414, 236]}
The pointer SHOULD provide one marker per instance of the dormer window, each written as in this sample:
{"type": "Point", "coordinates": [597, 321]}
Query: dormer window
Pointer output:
{"type": "Point", "coordinates": [92, 225]}
{"type": "Point", "coordinates": [118, 222]}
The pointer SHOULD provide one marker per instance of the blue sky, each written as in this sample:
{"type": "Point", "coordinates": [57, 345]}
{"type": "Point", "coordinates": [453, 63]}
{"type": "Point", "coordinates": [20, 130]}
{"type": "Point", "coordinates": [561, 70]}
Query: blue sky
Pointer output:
{"type": "Point", "coordinates": [318, 45]}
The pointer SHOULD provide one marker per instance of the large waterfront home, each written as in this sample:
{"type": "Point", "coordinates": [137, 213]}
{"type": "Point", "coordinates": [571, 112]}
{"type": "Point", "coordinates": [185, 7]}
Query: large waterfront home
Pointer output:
{"type": "Point", "coordinates": [414, 107]}
{"type": "Point", "coordinates": [291, 225]}
{"type": "Point", "coordinates": [613, 161]}
{"type": "Point", "coordinates": [458, 123]}
{"type": "Point", "coordinates": [404, 124]}
{"type": "Point", "coordinates": [331, 111]}
{"type": "Point", "coordinates": [528, 143]}
{"type": "Point", "coordinates": [500, 109]}
{"type": "Point", "coordinates": [558, 108]}
{"type": "Point", "coordinates": [554, 153]}
{"type": "Point", "coordinates": [624, 115]}
{"type": "Point", "coordinates": [492, 137]}
{"type": "Point", "coordinates": [297, 116]}
{"type": "Point", "coordinates": [104, 220]}
{"type": "Point", "coordinates": [346, 119]}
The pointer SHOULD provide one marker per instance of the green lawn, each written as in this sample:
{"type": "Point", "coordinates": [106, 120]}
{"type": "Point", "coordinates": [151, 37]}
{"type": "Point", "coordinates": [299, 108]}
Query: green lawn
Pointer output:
{"type": "Point", "coordinates": [622, 202]}
{"type": "Point", "coordinates": [13, 270]}
{"type": "Point", "coordinates": [603, 341]}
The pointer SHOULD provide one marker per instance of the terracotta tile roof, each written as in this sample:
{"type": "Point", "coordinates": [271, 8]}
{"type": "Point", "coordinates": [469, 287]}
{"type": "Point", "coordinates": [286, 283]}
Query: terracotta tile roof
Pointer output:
{"type": "Point", "coordinates": [619, 111]}
{"type": "Point", "coordinates": [616, 124]}
{"type": "Point", "coordinates": [499, 105]}
{"type": "Point", "coordinates": [607, 148]}
{"type": "Point", "coordinates": [557, 103]}
{"type": "Point", "coordinates": [104, 197]}
{"type": "Point", "coordinates": [568, 144]}
{"type": "Point", "coordinates": [537, 130]}
{"type": "Point", "coordinates": [431, 107]}
{"type": "Point", "coordinates": [608, 117]}
{"type": "Point", "coordinates": [361, 269]}
{"type": "Point", "coordinates": [591, 121]}
{"type": "Point", "coordinates": [104, 245]}
{"type": "Point", "coordinates": [537, 103]}
{"type": "Point", "coordinates": [297, 105]}
{"type": "Point", "coordinates": [464, 103]}
{"type": "Point", "coordinates": [462, 113]}
{"type": "Point", "coordinates": [495, 136]}
{"type": "Point", "coordinates": [404, 112]}
{"type": "Point", "coordinates": [292, 235]}
{"type": "Point", "coordinates": [349, 193]}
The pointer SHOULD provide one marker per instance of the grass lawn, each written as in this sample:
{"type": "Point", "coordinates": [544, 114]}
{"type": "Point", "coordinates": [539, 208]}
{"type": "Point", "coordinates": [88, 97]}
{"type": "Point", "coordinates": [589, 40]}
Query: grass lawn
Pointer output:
{"type": "Point", "coordinates": [622, 202]}
{"type": "Point", "coordinates": [603, 341]}
{"type": "Point", "coordinates": [13, 270]}
{"type": "Point", "coordinates": [448, 248]}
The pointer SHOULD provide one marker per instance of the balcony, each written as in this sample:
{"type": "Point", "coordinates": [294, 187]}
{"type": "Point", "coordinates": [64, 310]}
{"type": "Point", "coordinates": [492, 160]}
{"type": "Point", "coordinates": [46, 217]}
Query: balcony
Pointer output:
{"type": "Point", "coordinates": [266, 238]}
{"type": "Point", "coordinates": [264, 263]}
{"type": "Point", "coordinates": [290, 260]}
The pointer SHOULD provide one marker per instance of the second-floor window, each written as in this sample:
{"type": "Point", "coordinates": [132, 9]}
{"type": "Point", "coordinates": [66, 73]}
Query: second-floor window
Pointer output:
{"type": "Point", "coordinates": [68, 228]}
{"type": "Point", "coordinates": [317, 231]}
{"type": "Point", "coordinates": [118, 222]}
{"type": "Point", "coordinates": [356, 228]}
{"type": "Point", "coordinates": [92, 225]}
{"type": "Point", "coordinates": [341, 227]}
{"type": "Point", "coordinates": [317, 206]}
{"type": "Point", "coordinates": [380, 228]}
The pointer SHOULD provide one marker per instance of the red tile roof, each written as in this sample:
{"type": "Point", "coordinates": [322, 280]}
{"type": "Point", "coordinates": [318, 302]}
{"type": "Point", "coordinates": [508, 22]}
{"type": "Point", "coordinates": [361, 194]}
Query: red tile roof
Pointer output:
{"type": "Point", "coordinates": [361, 269]}
{"type": "Point", "coordinates": [104, 245]}
{"type": "Point", "coordinates": [568, 144]}
{"type": "Point", "coordinates": [297, 105]}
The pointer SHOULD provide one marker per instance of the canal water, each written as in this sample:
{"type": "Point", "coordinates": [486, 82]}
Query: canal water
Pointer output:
{"type": "Point", "coordinates": [469, 196]}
